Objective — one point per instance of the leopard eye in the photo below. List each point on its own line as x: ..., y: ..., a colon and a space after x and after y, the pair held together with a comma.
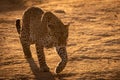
x: 50, y: 26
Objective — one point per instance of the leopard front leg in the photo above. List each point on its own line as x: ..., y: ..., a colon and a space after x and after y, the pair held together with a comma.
x: 41, y: 58
x: 63, y: 55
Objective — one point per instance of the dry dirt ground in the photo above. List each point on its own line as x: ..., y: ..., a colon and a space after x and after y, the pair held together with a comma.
x: 93, y: 44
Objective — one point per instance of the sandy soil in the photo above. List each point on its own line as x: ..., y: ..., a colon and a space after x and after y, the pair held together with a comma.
x: 93, y: 44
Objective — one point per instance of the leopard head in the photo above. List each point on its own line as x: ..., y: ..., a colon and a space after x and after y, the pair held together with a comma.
x: 59, y: 33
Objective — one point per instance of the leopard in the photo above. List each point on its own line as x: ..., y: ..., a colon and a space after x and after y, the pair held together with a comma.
x: 45, y: 30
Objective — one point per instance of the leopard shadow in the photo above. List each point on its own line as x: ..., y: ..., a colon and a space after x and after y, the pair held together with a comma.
x: 39, y: 75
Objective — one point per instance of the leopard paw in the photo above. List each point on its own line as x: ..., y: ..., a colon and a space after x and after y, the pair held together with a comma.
x: 44, y: 69
x: 60, y: 67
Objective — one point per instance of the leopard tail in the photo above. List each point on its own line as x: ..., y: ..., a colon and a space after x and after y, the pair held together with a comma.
x: 18, y: 26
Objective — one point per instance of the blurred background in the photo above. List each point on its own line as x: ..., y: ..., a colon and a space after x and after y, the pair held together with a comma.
x: 93, y: 43
x: 8, y: 5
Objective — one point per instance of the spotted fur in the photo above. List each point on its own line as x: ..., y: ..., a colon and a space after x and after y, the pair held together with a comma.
x: 45, y: 30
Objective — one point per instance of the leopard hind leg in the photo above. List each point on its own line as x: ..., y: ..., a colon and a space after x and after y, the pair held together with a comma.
x: 26, y: 49
x: 25, y: 41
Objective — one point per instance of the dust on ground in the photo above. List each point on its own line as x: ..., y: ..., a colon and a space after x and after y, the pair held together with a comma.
x: 93, y: 44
